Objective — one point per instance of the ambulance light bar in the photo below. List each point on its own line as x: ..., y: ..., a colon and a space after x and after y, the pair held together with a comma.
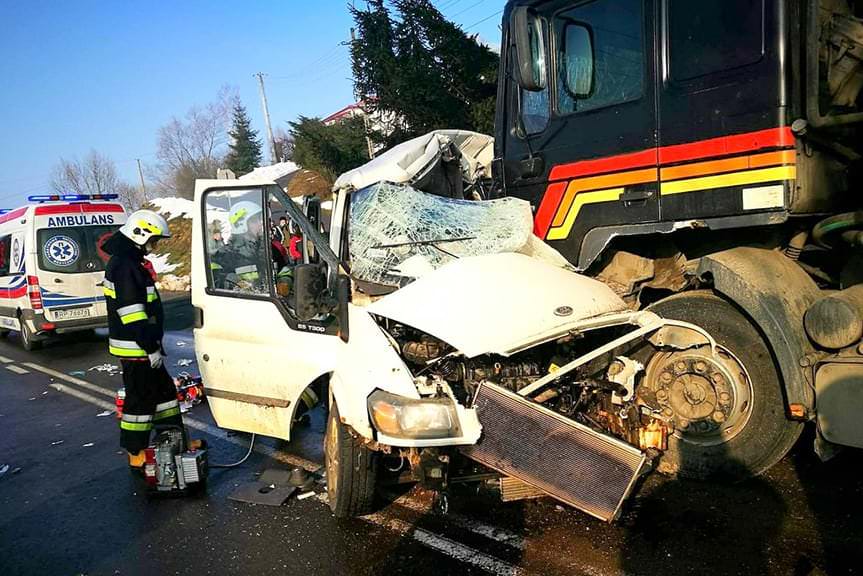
x: 70, y: 197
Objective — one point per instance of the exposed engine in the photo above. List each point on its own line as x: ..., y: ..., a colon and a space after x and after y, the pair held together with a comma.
x: 600, y: 395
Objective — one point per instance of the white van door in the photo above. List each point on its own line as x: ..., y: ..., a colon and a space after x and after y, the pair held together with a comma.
x: 256, y: 358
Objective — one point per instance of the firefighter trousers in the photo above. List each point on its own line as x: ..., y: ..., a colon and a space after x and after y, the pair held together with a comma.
x: 151, y: 400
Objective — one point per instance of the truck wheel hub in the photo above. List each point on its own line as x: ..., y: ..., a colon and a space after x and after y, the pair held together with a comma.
x: 707, y: 398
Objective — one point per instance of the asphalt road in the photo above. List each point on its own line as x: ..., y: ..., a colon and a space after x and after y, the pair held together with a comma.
x: 69, y: 506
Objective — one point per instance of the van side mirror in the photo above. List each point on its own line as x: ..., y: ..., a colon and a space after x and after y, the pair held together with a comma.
x: 312, y: 210
x: 310, y: 286
x: 577, y: 59
x: 530, y: 60
x: 343, y: 296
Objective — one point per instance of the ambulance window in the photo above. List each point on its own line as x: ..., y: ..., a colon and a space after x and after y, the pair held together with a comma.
x: 236, y: 235
x: 73, y: 249
x: 713, y: 35
x: 5, y: 254
x: 600, y: 45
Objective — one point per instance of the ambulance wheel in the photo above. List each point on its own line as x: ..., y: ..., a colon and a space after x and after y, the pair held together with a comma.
x: 351, y: 470
x: 27, y: 339
x: 729, y: 410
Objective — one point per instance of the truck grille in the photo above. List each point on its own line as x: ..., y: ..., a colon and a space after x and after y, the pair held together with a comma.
x: 568, y: 461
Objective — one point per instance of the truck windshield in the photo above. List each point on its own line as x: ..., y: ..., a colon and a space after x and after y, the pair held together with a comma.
x: 73, y: 250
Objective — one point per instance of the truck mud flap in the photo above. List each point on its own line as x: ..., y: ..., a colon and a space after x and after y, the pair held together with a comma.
x: 568, y: 461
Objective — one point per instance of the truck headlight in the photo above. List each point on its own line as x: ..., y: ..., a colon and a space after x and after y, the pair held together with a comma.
x: 402, y: 417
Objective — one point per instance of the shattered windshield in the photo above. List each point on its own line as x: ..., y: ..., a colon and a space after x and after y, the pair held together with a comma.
x: 398, y: 233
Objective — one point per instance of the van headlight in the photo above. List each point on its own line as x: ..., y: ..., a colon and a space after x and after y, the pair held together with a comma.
x: 402, y: 417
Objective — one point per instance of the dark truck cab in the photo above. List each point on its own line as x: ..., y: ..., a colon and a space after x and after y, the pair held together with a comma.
x: 702, y: 158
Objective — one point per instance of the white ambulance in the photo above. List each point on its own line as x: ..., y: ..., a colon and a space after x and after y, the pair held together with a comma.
x: 52, y: 264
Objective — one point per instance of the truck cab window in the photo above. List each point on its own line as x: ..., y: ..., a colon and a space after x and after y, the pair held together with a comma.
x: 236, y: 237
x: 600, y: 55
x: 713, y: 35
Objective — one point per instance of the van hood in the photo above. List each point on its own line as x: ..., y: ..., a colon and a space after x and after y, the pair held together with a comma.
x: 497, y: 303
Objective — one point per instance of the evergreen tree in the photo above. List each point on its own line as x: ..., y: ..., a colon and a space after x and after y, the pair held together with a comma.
x: 244, y: 153
x: 423, y: 68
x: 329, y: 150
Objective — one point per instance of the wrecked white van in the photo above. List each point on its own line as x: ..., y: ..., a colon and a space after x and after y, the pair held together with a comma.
x: 450, y: 340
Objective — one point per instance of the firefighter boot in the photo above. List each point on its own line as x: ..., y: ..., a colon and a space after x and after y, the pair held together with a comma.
x: 136, y: 460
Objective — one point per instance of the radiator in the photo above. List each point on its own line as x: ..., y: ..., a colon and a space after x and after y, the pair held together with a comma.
x: 568, y: 461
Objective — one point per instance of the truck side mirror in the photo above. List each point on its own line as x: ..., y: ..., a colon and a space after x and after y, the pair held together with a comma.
x: 310, y: 285
x: 530, y: 60
x: 576, y: 60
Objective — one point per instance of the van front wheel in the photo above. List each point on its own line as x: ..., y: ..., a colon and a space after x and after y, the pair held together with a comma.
x: 351, y: 470
x: 28, y: 341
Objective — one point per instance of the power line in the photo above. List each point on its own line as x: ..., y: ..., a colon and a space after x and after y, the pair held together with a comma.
x: 489, y: 17
x: 469, y: 8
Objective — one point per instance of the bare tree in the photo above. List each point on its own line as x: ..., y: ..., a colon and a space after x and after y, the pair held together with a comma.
x: 132, y: 197
x: 95, y: 174
x: 194, y: 146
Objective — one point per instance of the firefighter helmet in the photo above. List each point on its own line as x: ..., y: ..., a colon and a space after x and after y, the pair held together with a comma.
x: 240, y: 214
x: 143, y: 225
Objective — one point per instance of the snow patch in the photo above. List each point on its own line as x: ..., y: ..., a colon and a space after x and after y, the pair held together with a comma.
x: 174, y: 207
x: 161, y: 264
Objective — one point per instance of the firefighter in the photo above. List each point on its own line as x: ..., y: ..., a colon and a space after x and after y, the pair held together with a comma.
x: 135, y: 330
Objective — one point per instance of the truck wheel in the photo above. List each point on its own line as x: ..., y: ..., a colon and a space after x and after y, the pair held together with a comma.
x: 351, y: 470
x: 729, y: 412
x: 27, y: 338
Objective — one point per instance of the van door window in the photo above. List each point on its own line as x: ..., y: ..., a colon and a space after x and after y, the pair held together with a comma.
x: 600, y: 55
x: 73, y: 250
x: 710, y: 36
x: 296, y: 249
x: 5, y: 254
x: 236, y: 237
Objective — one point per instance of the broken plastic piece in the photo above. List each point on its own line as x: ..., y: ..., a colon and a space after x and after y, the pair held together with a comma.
x: 305, y: 495
x: 87, y: 445
x: 104, y: 413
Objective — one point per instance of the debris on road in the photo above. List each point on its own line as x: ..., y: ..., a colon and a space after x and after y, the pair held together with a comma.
x: 111, y: 369
x: 4, y: 469
x: 104, y: 413
x: 87, y: 445
x: 305, y: 495
x: 182, y: 362
x: 181, y: 344
x: 57, y: 443
x: 271, y: 489
x: 77, y: 373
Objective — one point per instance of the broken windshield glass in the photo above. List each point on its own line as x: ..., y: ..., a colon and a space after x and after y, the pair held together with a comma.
x: 398, y: 233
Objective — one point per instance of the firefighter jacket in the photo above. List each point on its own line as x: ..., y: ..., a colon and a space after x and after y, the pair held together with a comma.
x: 135, y: 316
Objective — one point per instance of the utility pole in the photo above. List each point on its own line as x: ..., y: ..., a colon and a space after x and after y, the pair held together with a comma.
x: 272, y: 141
x: 369, y: 148
x: 141, y: 176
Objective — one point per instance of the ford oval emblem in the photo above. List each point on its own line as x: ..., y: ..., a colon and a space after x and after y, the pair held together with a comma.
x: 563, y: 311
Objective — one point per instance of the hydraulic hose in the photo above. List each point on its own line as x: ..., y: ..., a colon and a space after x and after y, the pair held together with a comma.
x: 240, y: 461
x: 836, y: 224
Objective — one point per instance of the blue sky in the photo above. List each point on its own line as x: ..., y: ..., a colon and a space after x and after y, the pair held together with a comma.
x: 106, y: 74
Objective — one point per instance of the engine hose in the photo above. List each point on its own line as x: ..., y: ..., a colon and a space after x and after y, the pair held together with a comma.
x: 837, y: 223
x: 240, y: 461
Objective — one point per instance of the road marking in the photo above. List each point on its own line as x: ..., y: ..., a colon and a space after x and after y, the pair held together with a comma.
x: 16, y: 369
x: 187, y: 420
x: 5, y: 360
x: 445, y: 546
x: 491, y: 532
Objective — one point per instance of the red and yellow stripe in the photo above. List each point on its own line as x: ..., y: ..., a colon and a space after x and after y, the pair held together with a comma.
x: 678, y: 169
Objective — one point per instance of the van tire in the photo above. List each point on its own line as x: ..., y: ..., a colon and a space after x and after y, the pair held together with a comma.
x: 351, y: 470
x: 27, y: 339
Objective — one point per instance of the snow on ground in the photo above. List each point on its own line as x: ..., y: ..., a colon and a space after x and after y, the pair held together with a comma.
x: 174, y: 207
x: 161, y: 264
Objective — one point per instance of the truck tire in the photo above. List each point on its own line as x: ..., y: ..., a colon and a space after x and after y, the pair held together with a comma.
x: 761, y: 433
x: 351, y: 470
x: 27, y: 339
